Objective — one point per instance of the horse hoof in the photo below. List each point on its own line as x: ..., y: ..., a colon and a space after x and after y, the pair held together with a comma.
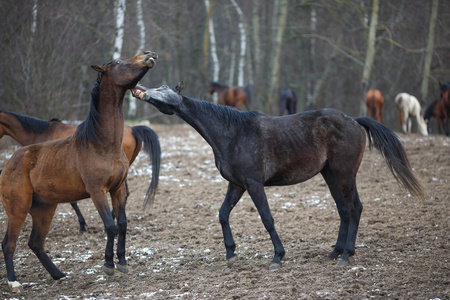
x: 123, y: 268
x: 107, y: 270
x: 231, y: 261
x: 343, y: 262
x: 15, y: 287
x: 274, y: 266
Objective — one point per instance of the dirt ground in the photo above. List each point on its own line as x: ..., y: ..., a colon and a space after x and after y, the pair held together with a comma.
x: 175, y: 249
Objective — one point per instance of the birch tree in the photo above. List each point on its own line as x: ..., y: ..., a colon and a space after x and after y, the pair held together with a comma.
x: 243, y: 44
x: 369, y: 55
x: 27, y: 64
x: 210, y: 38
x: 430, y: 49
x: 132, y: 107
x: 120, y: 21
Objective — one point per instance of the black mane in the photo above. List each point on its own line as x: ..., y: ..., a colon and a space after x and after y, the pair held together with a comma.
x: 87, y: 131
x: 29, y: 124
x: 227, y: 115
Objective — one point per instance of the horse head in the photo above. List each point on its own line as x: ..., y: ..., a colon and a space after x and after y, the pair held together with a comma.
x: 164, y: 98
x: 126, y: 72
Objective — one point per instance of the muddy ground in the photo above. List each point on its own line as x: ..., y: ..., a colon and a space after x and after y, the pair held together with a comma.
x: 175, y: 249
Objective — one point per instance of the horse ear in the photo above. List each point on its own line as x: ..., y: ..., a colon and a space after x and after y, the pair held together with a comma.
x: 98, y: 68
x: 180, y: 86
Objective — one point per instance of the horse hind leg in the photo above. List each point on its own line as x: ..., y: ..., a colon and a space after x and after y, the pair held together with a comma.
x: 42, y: 218
x: 15, y: 223
x: 349, y: 208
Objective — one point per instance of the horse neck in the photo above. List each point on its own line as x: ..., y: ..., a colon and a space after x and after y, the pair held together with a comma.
x: 110, y: 108
x: 9, y: 125
x: 206, y: 123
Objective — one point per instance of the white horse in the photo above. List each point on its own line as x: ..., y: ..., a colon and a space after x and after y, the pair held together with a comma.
x: 409, y: 107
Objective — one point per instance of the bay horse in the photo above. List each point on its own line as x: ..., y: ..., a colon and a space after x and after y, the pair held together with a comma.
x: 235, y: 96
x: 435, y: 109
x: 408, y: 107
x: 27, y: 130
x: 374, y: 103
x: 88, y: 164
x: 287, y: 100
x: 250, y: 151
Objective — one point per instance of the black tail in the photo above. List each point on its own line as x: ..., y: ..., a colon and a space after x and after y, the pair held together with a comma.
x: 152, y: 147
x: 393, y: 153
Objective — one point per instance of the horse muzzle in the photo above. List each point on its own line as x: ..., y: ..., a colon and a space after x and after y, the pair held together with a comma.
x: 150, y: 58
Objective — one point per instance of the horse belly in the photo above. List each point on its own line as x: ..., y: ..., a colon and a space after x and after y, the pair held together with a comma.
x: 293, y: 172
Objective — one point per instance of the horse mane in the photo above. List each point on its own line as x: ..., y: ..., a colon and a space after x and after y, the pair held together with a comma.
x: 30, y: 124
x: 429, y: 111
x: 445, y: 86
x: 87, y: 131
x: 227, y: 115
x: 219, y: 85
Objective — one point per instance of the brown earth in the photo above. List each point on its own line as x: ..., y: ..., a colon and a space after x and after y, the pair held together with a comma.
x: 175, y: 249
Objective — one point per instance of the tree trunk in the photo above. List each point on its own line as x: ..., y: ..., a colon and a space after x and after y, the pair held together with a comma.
x: 369, y: 55
x: 243, y: 44
x: 132, y: 106
x: 430, y: 50
x: 120, y: 20
x: 277, y: 42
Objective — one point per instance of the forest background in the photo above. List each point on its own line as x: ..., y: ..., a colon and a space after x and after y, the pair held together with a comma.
x: 324, y: 50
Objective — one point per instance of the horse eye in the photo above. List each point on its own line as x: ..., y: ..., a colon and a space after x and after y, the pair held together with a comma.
x: 118, y: 61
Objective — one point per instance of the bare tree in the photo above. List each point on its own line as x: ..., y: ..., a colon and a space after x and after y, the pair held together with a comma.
x: 370, y: 53
x: 430, y: 49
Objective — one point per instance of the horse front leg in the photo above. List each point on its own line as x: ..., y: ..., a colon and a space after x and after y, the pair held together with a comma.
x: 256, y: 192
x: 118, y: 199
x: 81, y: 219
x: 101, y: 203
x: 233, y: 195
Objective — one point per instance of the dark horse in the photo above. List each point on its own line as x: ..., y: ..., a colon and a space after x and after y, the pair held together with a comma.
x: 435, y: 109
x: 235, y: 96
x: 374, y: 103
x: 89, y: 163
x: 27, y: 130
x: 445, y: 103
x: 287, y: 101
x: 253, y: 150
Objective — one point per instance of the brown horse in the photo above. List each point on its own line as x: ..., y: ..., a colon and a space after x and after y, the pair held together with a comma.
x: 88, y: 164
x: 253, y: 150
x: 374, y: 103
x: 435, y: 109
x: 235, y: 96
x: 28, y: 130
x: 445, y: 103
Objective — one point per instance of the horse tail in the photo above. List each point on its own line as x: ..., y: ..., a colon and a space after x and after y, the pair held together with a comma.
x: 248, y: 90
x: 392, y: 151
x: 152, y: 147
x: 374, y: 108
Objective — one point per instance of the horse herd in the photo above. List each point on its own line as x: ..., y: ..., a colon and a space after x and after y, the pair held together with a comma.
x: 64, y: 164
x: 409, y: 108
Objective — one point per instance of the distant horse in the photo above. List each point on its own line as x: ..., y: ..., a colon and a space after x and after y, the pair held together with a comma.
x: 408, y: 107
x: 88, y: 164
x: 287, y: 101
x: 374, y: 103
x: 435, y: 109
x: 445, y: 103
x: 232, y: 96
x: 28, y: 130
x: 251, y: 151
